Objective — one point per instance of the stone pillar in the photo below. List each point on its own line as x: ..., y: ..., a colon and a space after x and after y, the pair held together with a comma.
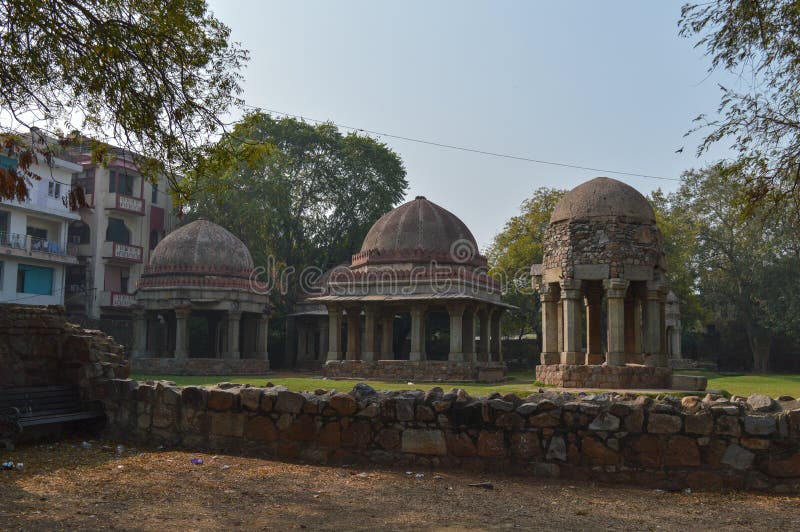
x: 234, y: 319
x: 662, y: 314
x: 485, y: 336
x: 548, y: 295
x: 417, y: 333
x: 615, y: 295
x: 571, y: 305
x: 370, y: 351
x: 497, y: 340
x: 630, y: 329
x: 456, y: 312
x: 468, y: 334
x: 353, y: 333
x: 302, y: 342
x: 334, y: 333
x: 593, y: 301
x: 322, y: 325
x: 139, y: 333
x: 262, y: 337
x: 653, y: 330
x: 560, y: 329
x: 182, y: 332
x: 387, y: 336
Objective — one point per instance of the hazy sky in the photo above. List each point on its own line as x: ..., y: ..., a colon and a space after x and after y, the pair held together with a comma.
x: 601, y: 84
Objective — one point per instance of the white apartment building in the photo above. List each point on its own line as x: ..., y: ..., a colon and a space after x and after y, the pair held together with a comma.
x: 125, y: 217
x: 34, y: 251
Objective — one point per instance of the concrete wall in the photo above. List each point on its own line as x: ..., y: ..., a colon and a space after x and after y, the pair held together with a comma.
x: 670, y: 444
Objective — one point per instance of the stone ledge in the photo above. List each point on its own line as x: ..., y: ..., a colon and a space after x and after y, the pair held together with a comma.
x: 200, y: 366
x: 607, y: 377
x: 416, y: 371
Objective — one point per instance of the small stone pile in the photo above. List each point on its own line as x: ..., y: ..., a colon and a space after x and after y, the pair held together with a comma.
x: 670, y: 443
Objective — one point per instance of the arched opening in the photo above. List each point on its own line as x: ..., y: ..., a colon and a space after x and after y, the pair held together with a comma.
x: 78, y: 233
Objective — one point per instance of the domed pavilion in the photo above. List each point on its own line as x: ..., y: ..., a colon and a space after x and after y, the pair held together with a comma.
x: 602, y: 245
x: 418, y: 282
x: 197, y: 311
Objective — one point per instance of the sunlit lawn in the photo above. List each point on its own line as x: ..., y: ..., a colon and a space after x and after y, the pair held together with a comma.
x: 521, y: 383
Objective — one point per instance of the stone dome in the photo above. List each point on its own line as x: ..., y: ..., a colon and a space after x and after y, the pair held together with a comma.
x: 199, y: 253
x: 603, y: 197
x: 202, y: 244
x: 419, y: 231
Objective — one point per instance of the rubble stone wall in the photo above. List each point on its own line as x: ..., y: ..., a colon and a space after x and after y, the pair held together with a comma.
x: 415, y: 371
x: 604, y: 377
x: 200, y: 366
x: 39, y: 347
x: 670, y: 444
x: 616, y: 241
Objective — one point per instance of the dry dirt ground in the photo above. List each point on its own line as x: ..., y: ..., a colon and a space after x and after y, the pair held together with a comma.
x: 65, y: 486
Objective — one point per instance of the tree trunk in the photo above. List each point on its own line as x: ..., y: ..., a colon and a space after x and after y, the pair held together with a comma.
x: 760, y: 347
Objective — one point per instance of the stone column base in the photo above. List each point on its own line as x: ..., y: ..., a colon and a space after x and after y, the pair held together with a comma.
x: 573, y: 357
x: 616, y: 359
x: 595, y: 359
x: 369, y: 356
x: 456, y: 357
x: 547, y: 359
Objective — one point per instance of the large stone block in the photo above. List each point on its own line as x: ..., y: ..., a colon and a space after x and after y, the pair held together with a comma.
x: 701, y: 423
x: 491, y: 444
x: 222, y: 400
x: 681, y: 451
x: 227, y: 424
x: 260, y: 428
x: 737, y: 457
x: 424, y: 441
x: 663, y: 424
x: 344, y: 404
x: 759, y: 425
x: 289, y: 402
x: 251, y: 398
x: 598, y: 453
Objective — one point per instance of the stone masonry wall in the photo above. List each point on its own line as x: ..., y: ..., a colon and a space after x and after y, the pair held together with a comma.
x: 604, y: 377
x: 670, y: 443
x: 617, y: 241
x: 200, y: 366
x: 39, y: 347
x: 415, y: 371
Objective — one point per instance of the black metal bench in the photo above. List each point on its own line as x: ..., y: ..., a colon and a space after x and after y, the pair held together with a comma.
x: 39, y: 406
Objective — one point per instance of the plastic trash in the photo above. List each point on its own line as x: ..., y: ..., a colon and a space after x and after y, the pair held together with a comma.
x: 225, y: 466
x: 197, y: 461
x: 20, y: 465
x: 420, y: 475
x: 362, y: 475
x: 86, y: 445
x: 7, y: 465
x: 120, y: 449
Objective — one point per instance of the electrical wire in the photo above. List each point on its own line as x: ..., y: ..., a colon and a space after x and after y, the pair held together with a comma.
x: 462, y: 148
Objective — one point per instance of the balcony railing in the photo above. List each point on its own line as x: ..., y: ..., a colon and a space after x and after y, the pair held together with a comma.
x: 126, y: 252
x: 116, y: 299
x: 119, y: 299
x: 121, y: 202
x: 31, y: 243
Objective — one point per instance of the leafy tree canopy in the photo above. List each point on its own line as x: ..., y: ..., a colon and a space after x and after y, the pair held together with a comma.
x: 514, y: 250
x: 759, y: 41
x: 149, y: 76
x: 746, y: 269
x: 301, y: 194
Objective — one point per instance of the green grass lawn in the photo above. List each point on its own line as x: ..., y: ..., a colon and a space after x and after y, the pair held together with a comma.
x: 744, y: 384
x: 521, y: 383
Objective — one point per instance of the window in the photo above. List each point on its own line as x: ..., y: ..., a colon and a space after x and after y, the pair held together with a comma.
x: 154, y: 194
x: 117, y: 232
x: 54, y: 189
x: 34, y: 280
x: 78, y: 233
x: 153, y: 238
x: 120, y: 182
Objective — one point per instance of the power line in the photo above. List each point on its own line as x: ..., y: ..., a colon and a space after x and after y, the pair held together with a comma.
x: 463, y: 148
